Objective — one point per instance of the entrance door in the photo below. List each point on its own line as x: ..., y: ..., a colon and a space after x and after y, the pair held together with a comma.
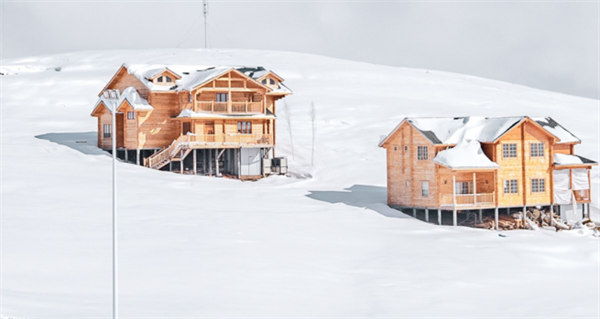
x: 120, y: 130
x: 185, y: 128
x: 250, y: 161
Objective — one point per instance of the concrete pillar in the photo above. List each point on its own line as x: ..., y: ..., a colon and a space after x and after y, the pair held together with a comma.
x: 414, y: 212
x: 454, y: 218
x: 195, y: 163
x: 551, y: 215
x: 439, y: 216
x: 126, y: 155
x: 481, y: 215
x: 524, y: 213
x: 137, y: 156
x: 496, y: 217
x: 426, y: 215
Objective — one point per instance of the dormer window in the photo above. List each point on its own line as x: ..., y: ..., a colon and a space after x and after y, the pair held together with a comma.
x: 271, y: 81
x: 164, y: 79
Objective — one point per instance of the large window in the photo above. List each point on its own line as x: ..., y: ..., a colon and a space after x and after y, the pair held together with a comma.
x: 422, y: 153
x: 130, y: 115
x: 424, y: 189
x: 222, y: 97
x: 463, y: 188
x: 537, y: 149
x: 245, y: 127
x: 538, y: 185
x: 509, y: 150
x: 511, y: 186
x: 106, y: 130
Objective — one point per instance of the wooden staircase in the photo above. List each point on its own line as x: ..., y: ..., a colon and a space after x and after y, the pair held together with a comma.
x: 177, y: 151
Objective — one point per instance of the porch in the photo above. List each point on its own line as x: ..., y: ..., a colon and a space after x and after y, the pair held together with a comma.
x: 467, y: 190
x: 228, y: 107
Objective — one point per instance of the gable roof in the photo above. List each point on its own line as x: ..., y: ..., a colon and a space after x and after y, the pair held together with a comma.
x: 550, y: 125
x: 452, y: 130
x: 129, y: 95
x: 153, y: 73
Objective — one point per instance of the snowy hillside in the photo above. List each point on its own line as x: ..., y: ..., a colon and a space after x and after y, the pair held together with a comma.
x: 321, y: 243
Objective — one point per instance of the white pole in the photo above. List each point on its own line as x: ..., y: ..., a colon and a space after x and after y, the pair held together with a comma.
x: 114, y: 213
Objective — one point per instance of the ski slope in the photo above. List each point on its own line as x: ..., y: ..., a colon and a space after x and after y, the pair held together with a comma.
x: 321, y: 243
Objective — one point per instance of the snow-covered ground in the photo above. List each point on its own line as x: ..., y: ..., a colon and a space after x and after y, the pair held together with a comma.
x: 320, y: 244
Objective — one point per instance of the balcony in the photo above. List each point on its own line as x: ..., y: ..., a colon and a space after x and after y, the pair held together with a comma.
x: 468, y: 200
x: 228, y: 140
x: 229, y: 107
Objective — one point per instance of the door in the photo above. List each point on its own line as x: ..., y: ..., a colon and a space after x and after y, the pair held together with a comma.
x: 120, y: 130
x: 185, y: 128
x: 251, y: 163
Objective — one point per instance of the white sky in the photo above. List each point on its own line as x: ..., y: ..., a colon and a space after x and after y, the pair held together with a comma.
x: 552, y: 45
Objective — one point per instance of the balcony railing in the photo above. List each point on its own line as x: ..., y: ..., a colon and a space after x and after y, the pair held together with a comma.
x: 467, y: 199
x: 230, y: 107
x: 241, y: 139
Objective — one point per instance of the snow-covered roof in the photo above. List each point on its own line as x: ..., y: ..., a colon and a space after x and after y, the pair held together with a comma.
x: 566, y: 159
x: 112, y: 100
x: 191, y: 76
x: 467, y: 154
x: 557, y: 130
x: 188, y: 113
x: 453, y: 130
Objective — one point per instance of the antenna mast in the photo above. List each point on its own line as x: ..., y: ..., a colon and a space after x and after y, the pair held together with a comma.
x: 205, y: 10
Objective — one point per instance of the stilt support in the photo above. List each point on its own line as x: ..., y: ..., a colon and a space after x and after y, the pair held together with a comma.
x: 439, y: 216
x: 481, y: 215
x: 137, y: 156
x: 496, y: 218
x: 454, y: 218
x: 426, y: 215
x: 414, y: 212
x: 195, y: 162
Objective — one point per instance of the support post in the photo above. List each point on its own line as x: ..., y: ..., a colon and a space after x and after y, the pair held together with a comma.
x: 524, y: 213
x: 474, y: 189
x: 439, y: 216
x: 551, y: 215
x: 170, y: 166
x: 481, y: 215
x: 195, y: 163
x: 426, y: 214
x: 414, y: 212
x: 137, y: 156
x: 126, y: 155
x: 181, y: 162
x: 216, y: 157
x: 496, y: 217
x: 454, y: 218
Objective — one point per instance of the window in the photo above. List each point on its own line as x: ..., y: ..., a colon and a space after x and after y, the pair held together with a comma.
x: 538, y: 185
x: 271, y: 81
x: 424, y: 189
x: 245, y: 127
x: 537, y: 149
x: 264, y: 81
x: 106, y: 130
x: 131, y: 115
x: 463, y: 187
x: 405, y: 148
x: 160, y: 79
x: 395, y: 148
x: 509, y: 150
x: 221, y: 97
x: 510, y: 186
x: 168, y: 78
x: 422, y: 153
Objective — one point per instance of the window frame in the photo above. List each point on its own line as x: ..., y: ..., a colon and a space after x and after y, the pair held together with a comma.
x: 511, y: 186
x: 536, y: 149
x: 244, y: 127
x: 424, y: 188
x: 422, y: 152
x: 107, y: 130
x: 130, y: 115
x: 222, y: 97
x: 509, y: 150
x: 538, y: 185
x: 459, y: 188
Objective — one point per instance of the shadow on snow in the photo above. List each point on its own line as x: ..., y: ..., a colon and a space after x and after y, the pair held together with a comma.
x: 84, y: 142
x: 363, y: 196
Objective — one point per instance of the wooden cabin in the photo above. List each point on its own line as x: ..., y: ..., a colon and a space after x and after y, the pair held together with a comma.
x: 471, y: 163
x: 192, y: 119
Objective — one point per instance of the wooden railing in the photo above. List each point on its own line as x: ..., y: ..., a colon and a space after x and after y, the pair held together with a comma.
x: 467, y: 199
x: 258, y: 139
x: 165, y: 154
x: 236, y: 107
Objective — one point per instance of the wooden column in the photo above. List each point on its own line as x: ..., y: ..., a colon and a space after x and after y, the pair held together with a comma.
x: 474, y: 189
x: 426, y: 215
x: 454, y: 217
x: 496, y: 216
x: 454, y: 190
x: 439, y: 216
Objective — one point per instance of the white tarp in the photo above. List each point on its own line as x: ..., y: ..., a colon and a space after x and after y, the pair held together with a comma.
x: 580, y: 179
x: 570, y: 213
x: 562, y: 192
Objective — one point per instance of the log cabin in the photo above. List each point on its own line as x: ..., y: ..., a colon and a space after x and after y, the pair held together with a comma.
x: 192, y: 119
x: 465, y: 164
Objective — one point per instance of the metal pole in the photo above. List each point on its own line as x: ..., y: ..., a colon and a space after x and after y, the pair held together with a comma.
x: 114, y: 214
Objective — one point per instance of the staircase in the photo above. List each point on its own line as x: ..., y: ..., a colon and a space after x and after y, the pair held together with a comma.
x: 177, y: 151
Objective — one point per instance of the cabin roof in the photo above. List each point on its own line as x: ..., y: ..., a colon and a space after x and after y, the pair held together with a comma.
x: 192, y: 76
x: 467, y: 154
x: 566, y: 159
x: 452, y: 130
x: 112, y: 102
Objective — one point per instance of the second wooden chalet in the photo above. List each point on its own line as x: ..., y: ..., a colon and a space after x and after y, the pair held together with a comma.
x: 473, y: 163
x: 195, y: 119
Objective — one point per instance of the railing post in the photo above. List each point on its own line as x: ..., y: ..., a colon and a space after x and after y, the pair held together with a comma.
x: 212, y: 106
x: 474, y: 189
x: 454, y: 190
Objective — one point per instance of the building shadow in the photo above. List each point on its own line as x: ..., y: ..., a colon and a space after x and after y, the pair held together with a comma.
x: 363, y: 196
x: 84, y: 142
